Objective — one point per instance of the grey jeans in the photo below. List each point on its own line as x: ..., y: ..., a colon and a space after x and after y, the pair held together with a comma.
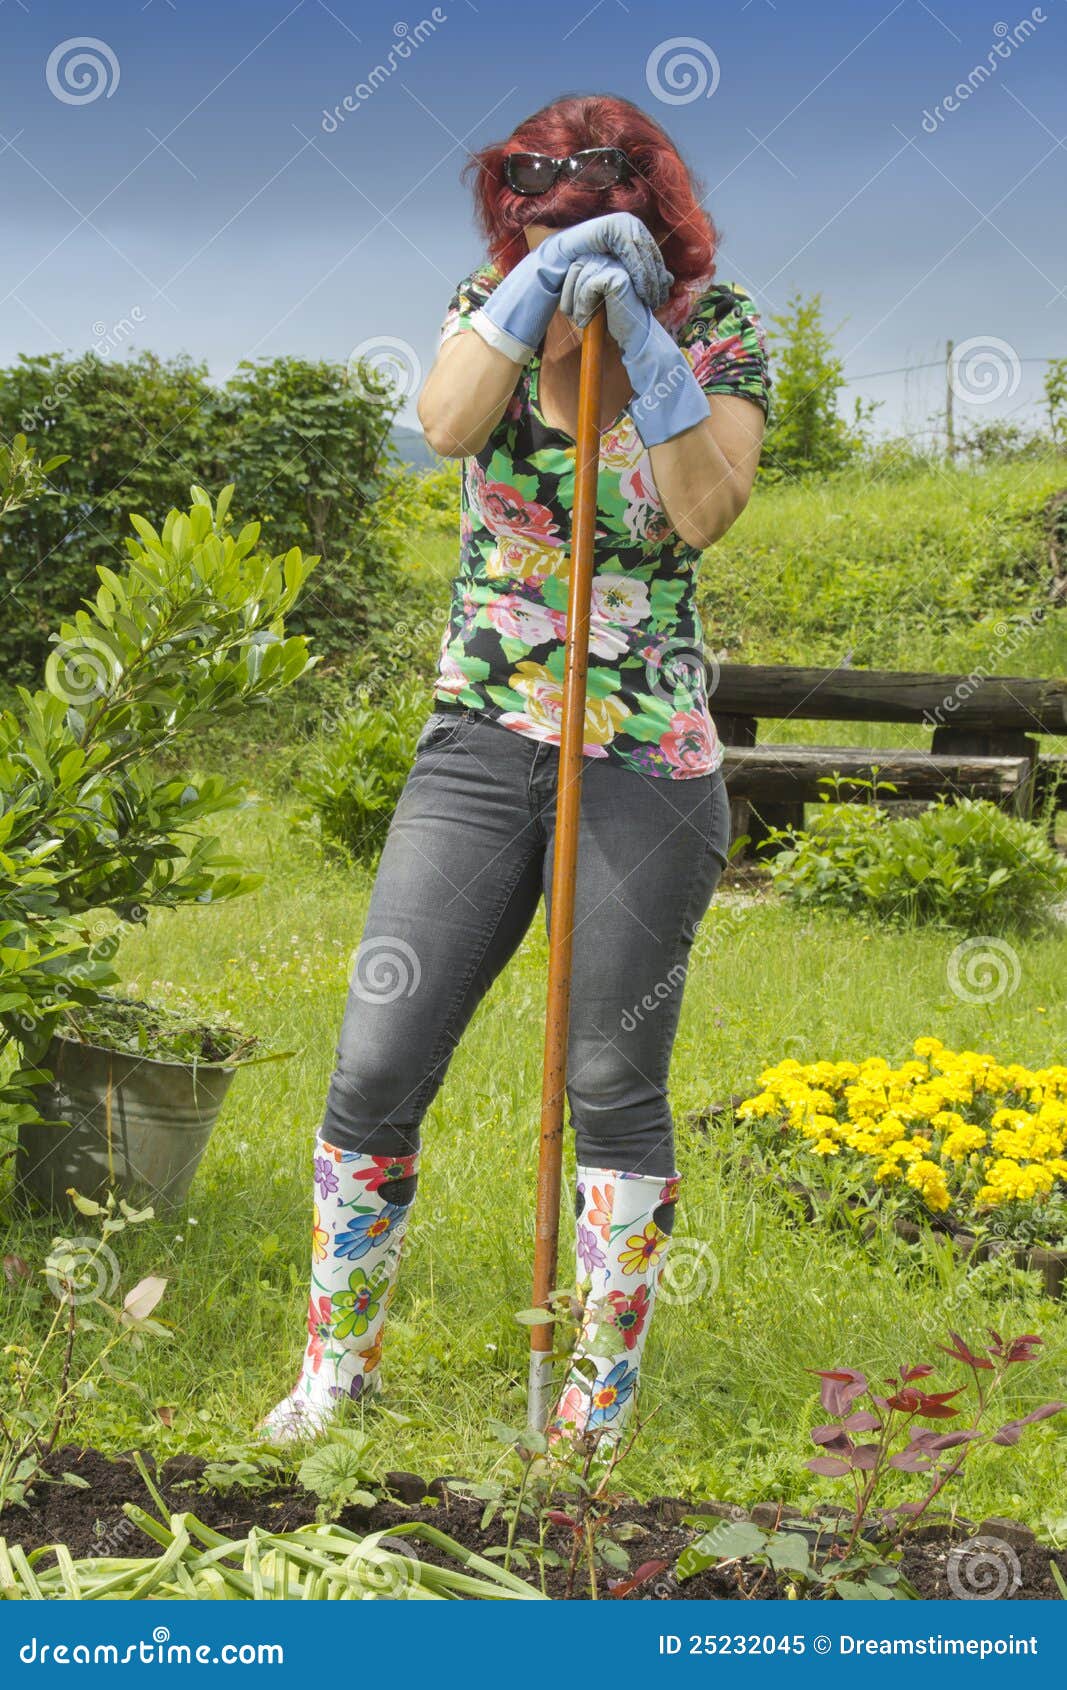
x: 466, y: 861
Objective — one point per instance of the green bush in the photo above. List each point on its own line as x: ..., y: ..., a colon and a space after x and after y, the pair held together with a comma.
x: 193, y: 629
x: 358, y: 767
x: 309, y: 447
x: 964, y: 864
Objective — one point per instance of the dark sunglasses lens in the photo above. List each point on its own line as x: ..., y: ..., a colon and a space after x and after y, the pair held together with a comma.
x: 598, y: 170
x: 530, y: 173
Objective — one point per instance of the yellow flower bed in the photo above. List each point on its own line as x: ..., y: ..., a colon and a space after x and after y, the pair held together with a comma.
x: 955, y: 1128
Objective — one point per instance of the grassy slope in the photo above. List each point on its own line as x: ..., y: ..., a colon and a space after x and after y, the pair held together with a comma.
x: 942, y: 570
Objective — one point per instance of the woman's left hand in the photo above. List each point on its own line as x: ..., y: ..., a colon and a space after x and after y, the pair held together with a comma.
x: 703, y: 463
x: 667, y: 396
x: 595, y: 281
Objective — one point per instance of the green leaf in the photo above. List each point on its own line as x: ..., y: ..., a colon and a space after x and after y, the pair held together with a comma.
x: 729, y: 1540
x: 789, y: 1552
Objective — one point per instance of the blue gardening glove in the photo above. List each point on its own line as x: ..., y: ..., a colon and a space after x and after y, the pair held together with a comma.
x: 667, y: 396
x: 517, y: 313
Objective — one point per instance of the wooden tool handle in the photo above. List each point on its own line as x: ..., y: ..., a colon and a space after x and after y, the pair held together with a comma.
x: 565, y: 858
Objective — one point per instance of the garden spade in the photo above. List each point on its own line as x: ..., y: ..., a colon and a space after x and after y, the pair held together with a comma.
x: 564, y: 865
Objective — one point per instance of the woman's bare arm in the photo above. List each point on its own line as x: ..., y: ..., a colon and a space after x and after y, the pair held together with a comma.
x: 464, y: 395
x: 704, y: 475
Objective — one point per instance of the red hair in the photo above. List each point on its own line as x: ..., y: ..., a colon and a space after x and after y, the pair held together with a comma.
x: 661, y: 192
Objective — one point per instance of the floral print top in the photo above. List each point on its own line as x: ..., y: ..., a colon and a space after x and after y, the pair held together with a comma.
x: 503, y: 650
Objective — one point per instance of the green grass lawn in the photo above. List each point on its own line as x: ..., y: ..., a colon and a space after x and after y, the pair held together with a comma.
x: 728, y: 1369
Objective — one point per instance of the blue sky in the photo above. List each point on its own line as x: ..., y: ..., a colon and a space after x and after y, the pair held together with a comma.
x: 203, y: 201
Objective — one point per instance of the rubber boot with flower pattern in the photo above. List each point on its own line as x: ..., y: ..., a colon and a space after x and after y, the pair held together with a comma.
x: 624, y: 1223
x: 362, y: 1205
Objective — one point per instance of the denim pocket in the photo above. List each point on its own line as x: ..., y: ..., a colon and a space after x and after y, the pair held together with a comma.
x: 719, y: 828
x: 440, y: 727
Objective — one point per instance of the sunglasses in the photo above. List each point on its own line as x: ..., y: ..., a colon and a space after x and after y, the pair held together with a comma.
x: 593, y: 168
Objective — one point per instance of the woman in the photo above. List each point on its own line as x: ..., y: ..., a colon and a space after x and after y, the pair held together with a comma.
x: 586, y: 203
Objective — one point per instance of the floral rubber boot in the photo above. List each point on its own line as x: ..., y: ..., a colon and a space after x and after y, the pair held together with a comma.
x: 624, y: 1223
x: 360, y: 1218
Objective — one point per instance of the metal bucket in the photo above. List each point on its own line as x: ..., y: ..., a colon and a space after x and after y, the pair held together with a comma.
x: 113, y: 1121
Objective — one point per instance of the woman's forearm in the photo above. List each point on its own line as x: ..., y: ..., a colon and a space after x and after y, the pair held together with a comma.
x: 464, y: 395
x: 704, y: 475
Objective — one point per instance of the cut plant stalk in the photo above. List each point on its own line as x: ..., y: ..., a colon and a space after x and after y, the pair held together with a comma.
x: 564, y: 866
x: 314, y: 1563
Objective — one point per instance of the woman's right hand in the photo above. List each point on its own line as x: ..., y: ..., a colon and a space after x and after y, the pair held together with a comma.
x: 517, y: 313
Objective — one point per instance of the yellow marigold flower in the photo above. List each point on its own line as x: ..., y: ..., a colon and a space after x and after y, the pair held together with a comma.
x: 948, y: 1121
x: 822, y: 1099
x: 927, y: 1046
x: 764, y: 1104
x: 867, y: 1144
x: 906, y: 1150
x: 959, y: 1144
x: 826, y: 1147
x: 929, y: 1180
x: 1014, y: 1183
x: 846, y: 1070
x: 1011, y: 1118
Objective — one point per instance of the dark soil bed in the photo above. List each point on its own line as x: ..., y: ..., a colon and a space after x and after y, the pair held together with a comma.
x: 92, y: 1522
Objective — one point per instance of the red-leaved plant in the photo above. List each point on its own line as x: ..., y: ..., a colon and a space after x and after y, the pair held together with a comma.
x: 897, y: 1439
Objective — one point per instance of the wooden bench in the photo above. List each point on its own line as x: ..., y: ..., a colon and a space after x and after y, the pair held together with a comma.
x: 982, y: 743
